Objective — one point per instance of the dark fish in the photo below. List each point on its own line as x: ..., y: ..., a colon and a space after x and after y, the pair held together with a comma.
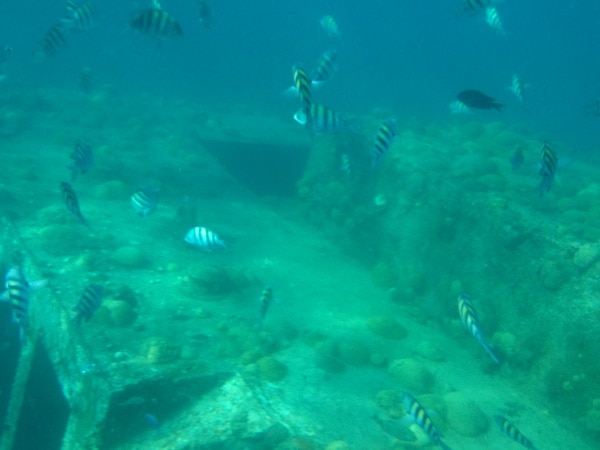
x: 70, y: 199
x: 471, y: 6
x: 156, y: 23
x: 468, y: 316
x: 83, y: 159
x: 90, y: 301
x: 302, y: 85
x: 325, y: 68
x: 322, y: 119
x: 512, y: 432
x: 476, y: 99
x: 80, y: 17
x: 517, y: 159
x: 547, y: 171
x: 419, y: 416
x: 205, y: 15
x: 54, y: 39
x: 383, y: 140
x: 265, y: 302
x: 18, y: 292
x: 86, y: 79
x: 145, y: 200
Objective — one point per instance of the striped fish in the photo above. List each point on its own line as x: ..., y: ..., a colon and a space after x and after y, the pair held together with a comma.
x: 266, y: 298
x: 85, y: 78
x: 492, y: 18
x: 513, y: 433
x: 80, y: 17
x: 517, y: 87
x: 421, y: 418
x: 204, y: 238
x: 383, y: 140
x: 156, y: 23
x: 145, y: 200
x: 468, y: 316
x: 82, y: 157
x: 324, y: 69
x: 54, y: 39
x: 329, y: 24
x: 88, y: 303
x: 548, y: 165
x: 322, y: 119
x: 302, y: 85
x: 18, y: 292
x: 476, y: 5
x: 458, y: 107
x: 70, y: 199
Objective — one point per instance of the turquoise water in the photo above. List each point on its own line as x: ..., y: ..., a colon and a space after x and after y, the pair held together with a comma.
x: 366, y: 264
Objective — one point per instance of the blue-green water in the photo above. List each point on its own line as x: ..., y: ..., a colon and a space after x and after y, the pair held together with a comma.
x: 366, y: 264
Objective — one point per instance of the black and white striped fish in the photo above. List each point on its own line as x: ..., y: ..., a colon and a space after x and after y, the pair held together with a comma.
x: 89, y: 302
x: 18, y: 293
x: 548, y: 165
x: 473, y: 6
x: 302, y: 84
x: 82, y: 157
x: 80, y: 17
x: 329, y: 24
x: 421, y: 418
x: 513, y: 433
x: 468, y: 316
x: 324, y: 69
x: 156, y: 23
x: 145, y: 200
x: 54, y: 39
x: 70, y: 199
x: 322, y: 119
x: 383, y: 140
x: 204, y: 238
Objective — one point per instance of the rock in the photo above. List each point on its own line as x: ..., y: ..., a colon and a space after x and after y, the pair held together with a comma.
x: 121, y: 314
x: 430, y: 350
x: 505, y: 343
x: 413, y: 375
x: 130, y: 257
x: 354, y: 353
x: 270, y: 369
x: 464, y: 416
x: 585, y: 256
x: 386, y: 327
x: 553, y: 275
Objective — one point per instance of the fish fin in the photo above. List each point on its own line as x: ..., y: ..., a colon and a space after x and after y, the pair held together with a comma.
x: 290, y: 92
x: 4, y: 297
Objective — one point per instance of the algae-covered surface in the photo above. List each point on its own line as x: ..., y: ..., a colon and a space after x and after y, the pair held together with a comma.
x: 365, y: 266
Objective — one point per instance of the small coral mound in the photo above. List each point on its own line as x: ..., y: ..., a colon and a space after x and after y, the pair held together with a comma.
x: 411, y: 374
x: 386, y: 327
x: 464, y: 416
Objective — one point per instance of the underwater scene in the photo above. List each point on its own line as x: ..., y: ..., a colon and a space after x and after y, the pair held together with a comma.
x: 316, y: 225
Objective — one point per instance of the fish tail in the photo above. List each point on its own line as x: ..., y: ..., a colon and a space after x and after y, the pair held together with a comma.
x: 443, y: 445
x: 488, y: 349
